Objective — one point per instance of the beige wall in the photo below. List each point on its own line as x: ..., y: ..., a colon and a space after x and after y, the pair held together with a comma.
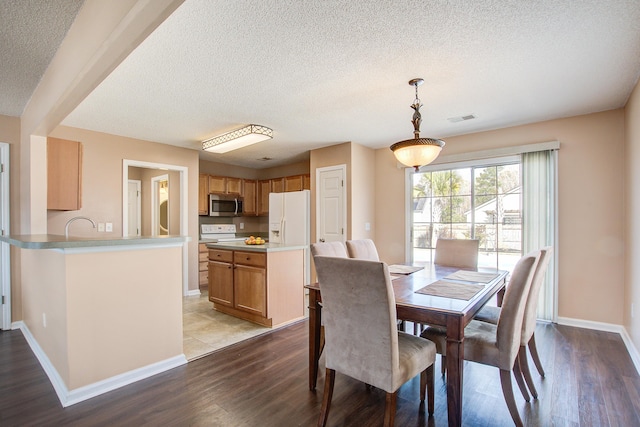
x: 591, y: 184
x: 102, y: 184
x: 632, y: 212
x: 363, y: 192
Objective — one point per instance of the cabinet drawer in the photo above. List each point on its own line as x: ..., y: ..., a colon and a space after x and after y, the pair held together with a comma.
x: 203, y: 256
x: 203, y: 266
x: 256, y: 259
x: 202, y: 247
x: 220, y: 255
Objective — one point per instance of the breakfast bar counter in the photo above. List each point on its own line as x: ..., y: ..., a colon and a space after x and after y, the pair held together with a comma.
x: 101, y: 313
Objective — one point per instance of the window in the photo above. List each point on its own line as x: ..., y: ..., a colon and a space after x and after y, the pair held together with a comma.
x: 480, y: 201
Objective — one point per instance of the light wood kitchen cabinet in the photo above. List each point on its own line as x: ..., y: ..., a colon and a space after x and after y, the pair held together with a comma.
x: 264, y: 188
x: 203, y: 194
x: 64, y: 174
x: 306, y: 182
x: 264, y: 288
x: 221, y: 277
x: 293, y: 183
x: 250, y: 192
x: 203, y: 265
x: 277, y: 185
x: 217, y: 184
x: 234, y: 186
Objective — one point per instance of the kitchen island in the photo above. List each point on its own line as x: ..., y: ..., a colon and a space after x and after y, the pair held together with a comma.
x: 101, y: 313
x: 260, y: 283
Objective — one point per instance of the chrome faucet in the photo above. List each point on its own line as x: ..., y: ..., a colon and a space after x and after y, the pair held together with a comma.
x: 66, y: 227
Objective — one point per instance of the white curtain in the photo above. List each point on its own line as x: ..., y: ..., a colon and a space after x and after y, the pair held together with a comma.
x: 539, y: 202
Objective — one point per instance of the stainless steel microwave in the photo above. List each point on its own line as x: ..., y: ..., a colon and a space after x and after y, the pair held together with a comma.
x: 221, y: 205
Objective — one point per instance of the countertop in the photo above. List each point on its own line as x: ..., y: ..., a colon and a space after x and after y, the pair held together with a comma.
x: 267, y: 247
x: 55, y: 241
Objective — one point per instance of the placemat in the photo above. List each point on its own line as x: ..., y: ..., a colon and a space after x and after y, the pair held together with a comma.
x: 472, y: 276
x: 445, y: 289
x: 403, y: 269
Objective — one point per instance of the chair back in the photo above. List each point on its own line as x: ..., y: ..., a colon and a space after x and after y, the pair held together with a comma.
x: 531, y: 306
x: 461, y: 253
x: 334, y: 249
x: 362, y: 249
x: 361, y: 336
x: 509, y: 328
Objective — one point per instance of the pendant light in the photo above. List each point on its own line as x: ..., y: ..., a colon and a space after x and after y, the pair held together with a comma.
x: 418, y: 151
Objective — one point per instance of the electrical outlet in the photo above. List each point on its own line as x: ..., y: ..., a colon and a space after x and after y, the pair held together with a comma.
x: 242, y: 226
x: 109, y: 227
x: 44, y: 319
x: 367, y: 226
x: 101, y: 227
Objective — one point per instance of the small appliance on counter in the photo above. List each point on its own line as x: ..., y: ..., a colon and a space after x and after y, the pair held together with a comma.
x: 219, y: 233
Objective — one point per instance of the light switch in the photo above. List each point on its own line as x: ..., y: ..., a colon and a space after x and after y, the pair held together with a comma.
x: 367, y: 226
x: 109, y: 227
x: 101, y: 227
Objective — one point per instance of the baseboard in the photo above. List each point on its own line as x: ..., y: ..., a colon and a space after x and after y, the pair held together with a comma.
x: 193, y: 293
x: 606, y: 327
x: 71, y: 397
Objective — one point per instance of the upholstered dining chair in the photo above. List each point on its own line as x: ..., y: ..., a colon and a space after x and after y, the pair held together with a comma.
x: 491, y: 314
x: 362, y: 338
x: 461, y: 253
x: 498, y: 345
x: 333, y: 249
x: 362, y: 249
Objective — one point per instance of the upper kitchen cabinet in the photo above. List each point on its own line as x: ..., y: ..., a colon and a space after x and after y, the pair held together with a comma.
x: 225, y: 185
x: 297, y: 183
x: 250, y: 197
x: 264, y: 188
x: 203, y: 194
x: 64, y: 174
x: 277, y: 185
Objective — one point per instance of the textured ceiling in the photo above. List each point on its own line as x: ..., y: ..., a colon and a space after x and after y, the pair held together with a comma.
x: 325, y: 72
x: 30, y: 33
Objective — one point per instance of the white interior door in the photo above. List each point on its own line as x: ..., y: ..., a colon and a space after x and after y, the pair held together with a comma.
x: 331, y: 207
x: 134, y: 208
x: 5, y: 276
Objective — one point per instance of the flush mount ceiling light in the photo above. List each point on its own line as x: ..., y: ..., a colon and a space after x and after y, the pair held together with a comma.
x: 418, y: 151
x: 238, y: 138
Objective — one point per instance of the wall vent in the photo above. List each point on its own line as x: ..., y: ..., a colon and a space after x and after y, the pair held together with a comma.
x: 461, y: 118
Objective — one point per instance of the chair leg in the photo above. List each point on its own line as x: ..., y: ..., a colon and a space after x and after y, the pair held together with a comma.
x: 329, y: 380
x: 507, y: 390
x: 517, y: 372
x: 443, y: 364
x: 524, y: 367
x: 534, y: 355
x: 390, y: 409
x: 430, y: 378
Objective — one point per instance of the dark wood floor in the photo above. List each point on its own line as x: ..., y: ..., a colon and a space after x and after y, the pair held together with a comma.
x: 590, y: 381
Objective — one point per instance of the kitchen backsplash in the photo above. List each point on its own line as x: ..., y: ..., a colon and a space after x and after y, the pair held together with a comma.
x: 257, y: 225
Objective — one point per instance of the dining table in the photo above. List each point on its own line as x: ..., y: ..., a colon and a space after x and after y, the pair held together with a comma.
x: 415, y: 302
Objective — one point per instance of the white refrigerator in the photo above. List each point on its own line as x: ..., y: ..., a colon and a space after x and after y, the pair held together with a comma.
x: 290, y: 222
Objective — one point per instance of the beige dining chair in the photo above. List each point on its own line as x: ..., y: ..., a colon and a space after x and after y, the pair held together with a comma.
x: 460, y: 253
x: 334, y: 249
x: 362, y: 338
x: 491, y: 314
x: 362, y: 249
x: 498, y: 345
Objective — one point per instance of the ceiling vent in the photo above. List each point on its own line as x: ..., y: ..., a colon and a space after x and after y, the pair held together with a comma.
x: 461, y: 118
x: 265, y: 159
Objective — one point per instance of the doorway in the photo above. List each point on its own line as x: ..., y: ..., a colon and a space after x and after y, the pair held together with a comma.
x: 5, y: 260
x: 160, y: 205
x: 134, y: 204
x: 331, y: 206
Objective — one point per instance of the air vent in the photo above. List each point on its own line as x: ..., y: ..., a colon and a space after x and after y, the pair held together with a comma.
x: 461, y: 118
x: 265, y: 159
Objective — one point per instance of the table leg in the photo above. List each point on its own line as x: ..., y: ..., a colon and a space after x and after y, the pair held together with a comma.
x: 315, y: 316
x: 455, y: 360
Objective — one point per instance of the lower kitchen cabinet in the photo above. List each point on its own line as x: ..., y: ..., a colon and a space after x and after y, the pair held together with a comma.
x: 264, y: 288
x: 203, y: 265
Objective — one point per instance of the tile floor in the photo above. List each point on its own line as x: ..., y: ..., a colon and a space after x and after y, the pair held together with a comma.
x: 206, y: 330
